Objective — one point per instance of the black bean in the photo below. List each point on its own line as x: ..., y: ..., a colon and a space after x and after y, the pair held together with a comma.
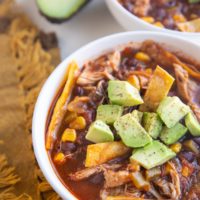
x: 197, y: 140
x: 188, y: 156
x: 68, y: 147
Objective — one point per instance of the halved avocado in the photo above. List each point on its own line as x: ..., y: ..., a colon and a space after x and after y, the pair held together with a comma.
x: 60, y: 10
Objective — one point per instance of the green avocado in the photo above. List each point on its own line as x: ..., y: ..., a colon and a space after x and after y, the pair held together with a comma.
x: 60, y: 9
x: 123, y: 93
x: 171, y: 110
x: 99, y: 132
x: 137, y: 115
x: 152, y: 155
x: 172, y: 135
x: 192, y: 124
x: 152, y: 124
x: 131, y: 132
x: 109, y: 113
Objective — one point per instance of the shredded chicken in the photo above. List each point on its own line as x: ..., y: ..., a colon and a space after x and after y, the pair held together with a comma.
x: 182, y: 79
x: 175, y: 179
x: 100, y: 69
x: 141, y: 7
x: 129, y: 190
x: 155, y: 193
x: 187, y: 89
x: 114, y: 60
x: 78, y: 104
x: 125, y: 190
x: 99, y: 95
x: 196, y: 110
x: 171, y: 189
x: 88, y: 172
x: 114, y: 179
x: 166, y: 188
x: 105, y: 192
x: 85, y: 173
x: 157, y: 53
x: 194, y: 192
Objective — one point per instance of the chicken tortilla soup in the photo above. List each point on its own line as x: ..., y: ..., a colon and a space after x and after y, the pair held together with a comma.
x: 180, y: 15
x: 125, y: 126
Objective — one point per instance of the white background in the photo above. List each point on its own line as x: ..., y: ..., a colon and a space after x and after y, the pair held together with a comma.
x: 92, y: 22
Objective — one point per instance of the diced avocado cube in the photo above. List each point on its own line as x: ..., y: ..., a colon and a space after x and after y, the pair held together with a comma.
x: 192, y: 124
x: 109, y: 113
x: 171, y: 110
x: 137, y: 115
x: 152, y: 124
x: 152, y: 155
x: 123, y: 93
x: 172, y: 135
x: 131, y: 132
x: 99, y: 132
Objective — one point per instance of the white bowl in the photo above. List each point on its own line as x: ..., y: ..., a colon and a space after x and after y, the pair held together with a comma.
x: 132, y: 23
x: 52, y: 85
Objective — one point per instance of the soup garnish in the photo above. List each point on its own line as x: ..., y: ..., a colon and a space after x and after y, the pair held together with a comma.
x: 180, y: 15
x: 126, y: 126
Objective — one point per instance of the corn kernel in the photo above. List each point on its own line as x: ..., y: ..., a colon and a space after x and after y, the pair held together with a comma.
x: 149, y: 71
x: 70, y: 116
x: 134, y: 81
x: 69, y: 135
x: 159, y: 24
x: 78, y: 124
x: 142, y: 57
x: 59, y: 157
x: 176, y: 147
x: 179, y: 18
x: 185, y: 171
x: 148, y: 19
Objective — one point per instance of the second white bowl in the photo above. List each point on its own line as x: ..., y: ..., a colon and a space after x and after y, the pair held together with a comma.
x: 132, y: 23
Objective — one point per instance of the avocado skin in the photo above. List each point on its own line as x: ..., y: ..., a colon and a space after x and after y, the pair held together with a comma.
x: 62, y: 20
x: 152, y: 155
x: 172, y: 135
x: 192, y: 124
x: 152, y: 124
x: 131, y: 131
x: 109, y: 113
x: 171, y: 110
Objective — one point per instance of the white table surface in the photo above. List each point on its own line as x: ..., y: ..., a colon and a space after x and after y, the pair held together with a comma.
x: 92, y: 22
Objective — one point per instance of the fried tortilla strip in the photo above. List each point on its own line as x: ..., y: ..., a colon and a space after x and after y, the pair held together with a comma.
x: 190, y: 26
x: 17, y: 145
x: 158, y: 88
x: 61, y: 105
x: 103, y: 152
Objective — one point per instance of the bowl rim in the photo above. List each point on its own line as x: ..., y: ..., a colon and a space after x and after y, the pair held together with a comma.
x: 40, y: 121
x: 148, y: 25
